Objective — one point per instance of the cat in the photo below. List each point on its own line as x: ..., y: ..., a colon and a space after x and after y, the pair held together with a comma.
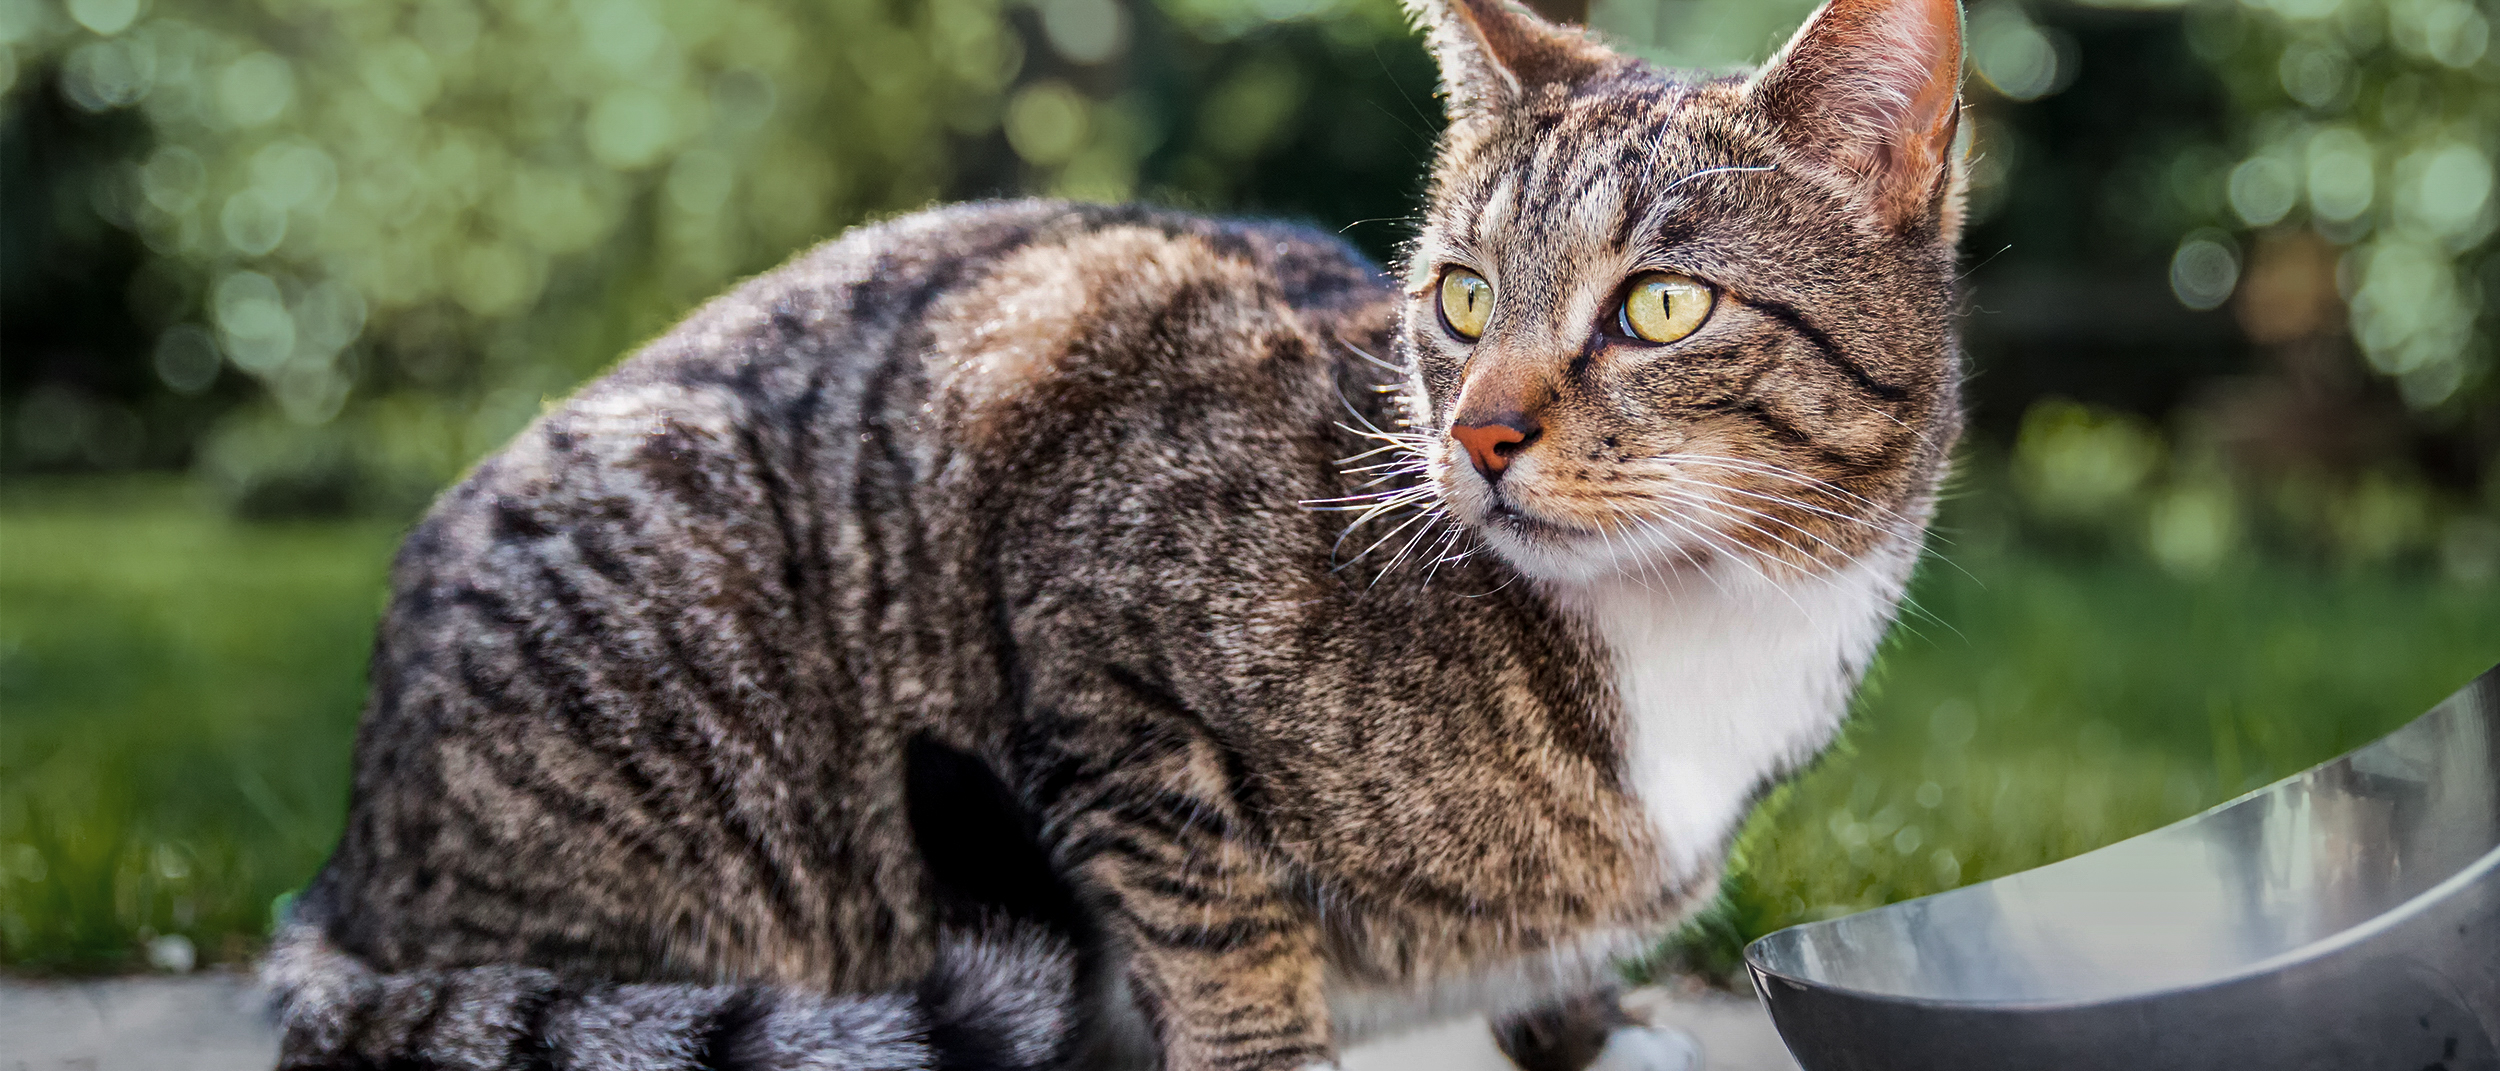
x: 1030, y: 634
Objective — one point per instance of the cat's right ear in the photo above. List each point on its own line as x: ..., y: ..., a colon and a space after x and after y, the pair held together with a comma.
x: 1493, y: 54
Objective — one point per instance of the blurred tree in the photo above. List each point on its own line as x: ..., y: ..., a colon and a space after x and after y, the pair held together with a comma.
x: 442, y: 212
x: 2356, y: 210
x: 324, y: 252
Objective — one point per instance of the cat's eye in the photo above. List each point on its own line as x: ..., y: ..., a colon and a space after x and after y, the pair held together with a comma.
x: 1466, y: 302
x: 1663, y: 307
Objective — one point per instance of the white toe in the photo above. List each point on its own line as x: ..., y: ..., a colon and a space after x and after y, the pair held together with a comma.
x: 1648, y: 1048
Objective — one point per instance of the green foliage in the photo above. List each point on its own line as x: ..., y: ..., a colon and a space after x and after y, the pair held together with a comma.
x: 380, y: 232
x: 480, y: 204
x: 2373, y: 124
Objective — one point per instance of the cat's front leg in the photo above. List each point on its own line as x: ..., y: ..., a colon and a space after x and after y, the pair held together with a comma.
x: 1222, y: 961
x: 1225, y: 968
x: 1591, y: 1032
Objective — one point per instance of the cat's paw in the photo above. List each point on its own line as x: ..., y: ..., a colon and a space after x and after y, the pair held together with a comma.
x: 1648, y: 1048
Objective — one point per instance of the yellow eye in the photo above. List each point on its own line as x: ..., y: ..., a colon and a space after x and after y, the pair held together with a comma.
x: 1664, y: 307
x: 1466, y: 302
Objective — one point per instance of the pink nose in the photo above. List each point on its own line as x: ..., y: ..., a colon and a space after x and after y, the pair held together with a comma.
x: 1491, y: 444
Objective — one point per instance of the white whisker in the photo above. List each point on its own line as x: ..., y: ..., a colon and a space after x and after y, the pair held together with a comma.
x: 1761, y: 515
x: 1708, y: 171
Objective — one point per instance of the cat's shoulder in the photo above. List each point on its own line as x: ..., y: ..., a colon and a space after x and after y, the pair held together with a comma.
x: 1082, y: 305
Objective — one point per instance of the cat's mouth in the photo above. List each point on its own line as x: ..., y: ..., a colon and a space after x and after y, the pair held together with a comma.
x: 1571, y: 548
x: 1502, y: 511
x: 1510, y: 514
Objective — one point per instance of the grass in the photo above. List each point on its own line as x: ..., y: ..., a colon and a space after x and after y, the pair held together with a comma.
x: 2037, y: 707
x: 177, y: 697
x: 178, y: 692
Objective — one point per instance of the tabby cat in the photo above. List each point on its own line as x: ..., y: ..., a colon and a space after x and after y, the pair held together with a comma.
x: 1017, y: 620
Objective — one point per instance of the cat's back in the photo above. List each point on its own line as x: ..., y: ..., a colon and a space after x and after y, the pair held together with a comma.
x: 665, y: 645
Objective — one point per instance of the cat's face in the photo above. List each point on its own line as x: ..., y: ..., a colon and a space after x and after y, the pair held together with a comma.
x: 1656, y: 323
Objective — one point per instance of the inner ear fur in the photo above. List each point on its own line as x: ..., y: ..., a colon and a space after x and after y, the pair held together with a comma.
x: 1492, y: 53
x: 1874, y: 87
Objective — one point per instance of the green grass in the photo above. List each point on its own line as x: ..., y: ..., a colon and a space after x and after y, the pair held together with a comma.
x: 178, y: 692
x: 2033, y: 708
x: 177, y: 697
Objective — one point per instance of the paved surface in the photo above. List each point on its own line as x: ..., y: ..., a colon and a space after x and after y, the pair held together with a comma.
x: 204, y: 1022
x: 210, y: 1022
x: 1734, y: 1032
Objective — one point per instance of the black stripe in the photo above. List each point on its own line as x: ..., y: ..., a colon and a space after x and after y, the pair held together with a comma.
x: 1781, y: 428
x: 625, y: 764
x: 532, y: 1050
x: 1077, y: 852
x: 718, y: 1039
x: 1161, y: 883
x: 799, y: 423
x: 872, y: 494
x: 776, y: 496
x: 1786, y: 431
x: 1056, y: 776
x: 479, y: 687
x: 554, y: 799
x: 423, y: 1029
x: 1229, y: 936
x: 511, y: 521
x: 1823, y: 344
x: 577, y: 693
x: 1578, y: 370
x: 592, y: 547
x: 1274, y: 1056
x: 496, y: 608
x: 1170, y: 813
x: 1293, y: 1028
x: 363, y: 1006
x: 1247, y: 789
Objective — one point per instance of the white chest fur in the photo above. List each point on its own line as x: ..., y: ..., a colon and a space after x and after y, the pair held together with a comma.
x: 1727, y: 677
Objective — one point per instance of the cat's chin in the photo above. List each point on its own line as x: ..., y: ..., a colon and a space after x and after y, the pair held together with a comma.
x: 1560, y: 552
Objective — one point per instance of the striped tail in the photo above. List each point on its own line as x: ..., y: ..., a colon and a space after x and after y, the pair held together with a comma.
x: 1001, y: 999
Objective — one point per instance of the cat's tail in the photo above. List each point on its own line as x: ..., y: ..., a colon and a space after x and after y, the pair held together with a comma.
x: 999, y: 999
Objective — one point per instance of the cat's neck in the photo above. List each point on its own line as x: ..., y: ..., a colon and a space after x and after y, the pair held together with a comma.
x: 1728, y: 678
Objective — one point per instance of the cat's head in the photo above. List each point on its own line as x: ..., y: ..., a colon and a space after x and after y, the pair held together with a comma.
x: 1656, y: 322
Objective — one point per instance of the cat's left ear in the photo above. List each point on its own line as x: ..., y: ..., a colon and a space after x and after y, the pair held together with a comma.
x: 1493, y: 54
x: 1874, y: 87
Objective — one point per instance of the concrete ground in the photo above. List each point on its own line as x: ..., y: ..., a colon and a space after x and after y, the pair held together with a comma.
x: 210, y: 1022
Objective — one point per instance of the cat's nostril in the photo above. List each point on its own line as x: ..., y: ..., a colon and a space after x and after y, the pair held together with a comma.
x: 1490, y: 444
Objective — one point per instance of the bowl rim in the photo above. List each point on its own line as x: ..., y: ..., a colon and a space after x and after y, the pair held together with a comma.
x: 2485, y: 865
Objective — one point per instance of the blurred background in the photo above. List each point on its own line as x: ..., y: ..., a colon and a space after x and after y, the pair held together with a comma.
x: 274, y: 271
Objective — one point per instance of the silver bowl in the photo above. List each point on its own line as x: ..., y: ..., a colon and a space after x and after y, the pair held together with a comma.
x: 2347, y: 918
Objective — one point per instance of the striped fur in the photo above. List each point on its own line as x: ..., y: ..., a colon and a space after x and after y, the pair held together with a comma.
x: 1001, y: 1000
x: 1114, y: 573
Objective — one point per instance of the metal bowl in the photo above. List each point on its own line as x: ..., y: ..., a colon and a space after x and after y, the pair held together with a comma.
x: 2347, y: 918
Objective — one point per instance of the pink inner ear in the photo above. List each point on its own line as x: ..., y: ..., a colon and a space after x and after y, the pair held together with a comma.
x: 1873, y: 85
